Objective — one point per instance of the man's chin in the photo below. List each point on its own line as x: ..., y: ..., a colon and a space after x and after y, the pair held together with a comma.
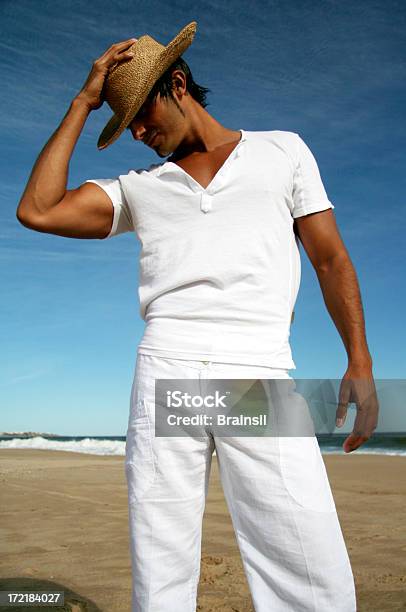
x: 162, y: 154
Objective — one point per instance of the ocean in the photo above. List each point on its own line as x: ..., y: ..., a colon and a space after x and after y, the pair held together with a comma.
x: 388, y: 443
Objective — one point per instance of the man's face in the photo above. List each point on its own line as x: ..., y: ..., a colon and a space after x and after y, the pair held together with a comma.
x: 160, y: 123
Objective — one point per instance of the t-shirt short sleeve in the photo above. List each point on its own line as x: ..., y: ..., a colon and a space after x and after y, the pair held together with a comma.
x: 122, y: 219
x: 309, y: 194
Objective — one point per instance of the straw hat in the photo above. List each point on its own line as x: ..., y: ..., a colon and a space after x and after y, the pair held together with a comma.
x: 128, y: 84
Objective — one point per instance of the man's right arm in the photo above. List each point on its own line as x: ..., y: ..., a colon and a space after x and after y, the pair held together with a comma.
x: 46, y: 205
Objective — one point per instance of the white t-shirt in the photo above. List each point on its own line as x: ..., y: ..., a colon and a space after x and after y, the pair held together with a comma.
x: 219, y: 268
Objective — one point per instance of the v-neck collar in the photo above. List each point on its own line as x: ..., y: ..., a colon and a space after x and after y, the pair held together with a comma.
x: 169, y: 166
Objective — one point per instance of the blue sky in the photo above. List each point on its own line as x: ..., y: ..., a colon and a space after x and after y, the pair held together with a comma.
x: 334, y: 72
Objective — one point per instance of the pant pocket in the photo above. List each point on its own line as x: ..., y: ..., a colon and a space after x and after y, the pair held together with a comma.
x: 139, y: 461
x: 304, y: 473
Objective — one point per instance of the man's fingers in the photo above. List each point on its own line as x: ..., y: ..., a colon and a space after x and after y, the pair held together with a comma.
x: 371, y: 424
x: 341, y: 414
x: 362, y: 392
x: 366, y: 420
x: 117, y: 46
x: 129, y: 40
x: 123, y: 43
x: 352, y: 442
x: 112, y: 60
x: 344, y: 396
x: 364, y: 425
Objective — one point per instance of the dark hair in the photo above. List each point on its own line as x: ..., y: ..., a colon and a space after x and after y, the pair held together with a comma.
x: 164, y: 84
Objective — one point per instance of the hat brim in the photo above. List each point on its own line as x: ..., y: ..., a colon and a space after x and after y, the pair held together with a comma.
x: 116, y: 125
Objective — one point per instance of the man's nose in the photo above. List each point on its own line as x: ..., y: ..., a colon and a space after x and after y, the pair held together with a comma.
x: 138, y: 132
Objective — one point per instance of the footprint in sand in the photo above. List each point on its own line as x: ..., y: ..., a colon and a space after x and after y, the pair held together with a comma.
x: 211, y: 560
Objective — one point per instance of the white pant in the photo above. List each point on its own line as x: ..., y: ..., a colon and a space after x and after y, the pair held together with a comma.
x: 278, y: 496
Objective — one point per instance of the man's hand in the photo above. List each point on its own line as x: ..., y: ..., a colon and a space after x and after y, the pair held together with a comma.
x: 358, y: 386
x: 91, y: 92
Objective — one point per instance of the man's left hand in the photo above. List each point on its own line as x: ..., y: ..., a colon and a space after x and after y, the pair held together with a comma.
x: 358, y: 386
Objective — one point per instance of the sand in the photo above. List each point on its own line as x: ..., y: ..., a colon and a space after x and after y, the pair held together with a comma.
x: 64, y: 526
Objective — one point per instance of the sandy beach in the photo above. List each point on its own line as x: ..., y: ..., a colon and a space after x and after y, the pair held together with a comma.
x: 64, y: 526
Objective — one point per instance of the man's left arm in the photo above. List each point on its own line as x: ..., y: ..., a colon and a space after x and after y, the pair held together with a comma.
x: 319, y: 234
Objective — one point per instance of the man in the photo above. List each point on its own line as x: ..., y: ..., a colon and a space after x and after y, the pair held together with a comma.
x: 219, y: 223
